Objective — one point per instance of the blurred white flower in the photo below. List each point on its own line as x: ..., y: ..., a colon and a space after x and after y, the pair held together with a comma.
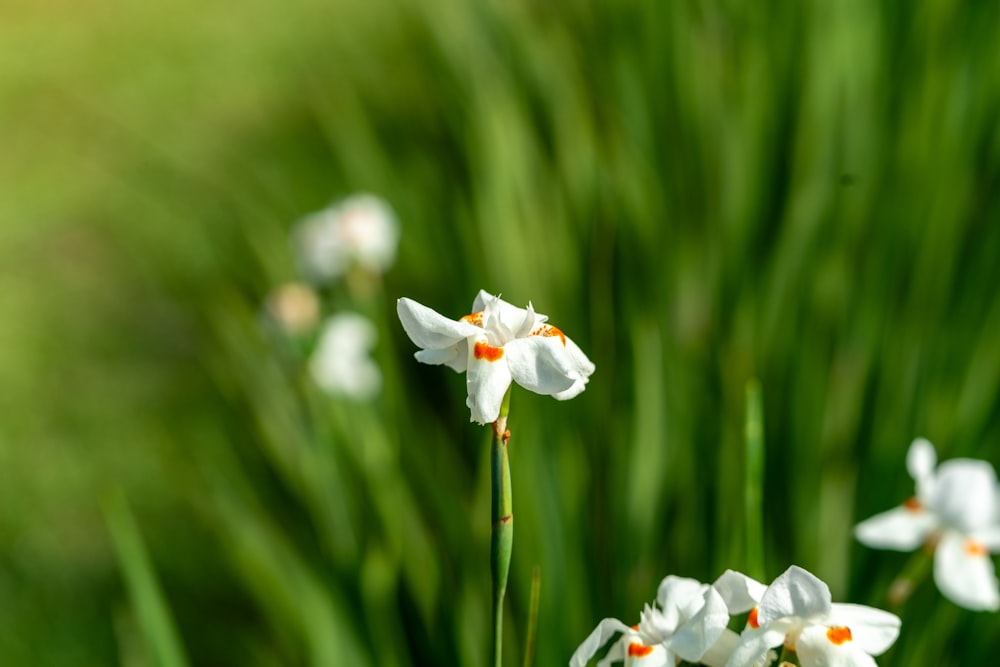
x: 358, y: 231
x: 686, y: 621
x: 342, y: 364
x: 497, y: 343
x: 294, y: 307
x: 796, y: 613
x: 955, y: 511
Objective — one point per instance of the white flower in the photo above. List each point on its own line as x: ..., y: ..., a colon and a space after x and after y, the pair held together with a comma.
x: 360, y: 230
x: 956, y: 511
x: 688, y: 620
x: 341, y: 363
x: 497, y: 343
x: 796, y: 612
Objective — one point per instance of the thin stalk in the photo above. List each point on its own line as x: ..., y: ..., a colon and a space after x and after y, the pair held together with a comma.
x: 788, y: 658
x: 536, y: 589
x: 502, y: 538
x: 916, y: 570
x: 754, y: 481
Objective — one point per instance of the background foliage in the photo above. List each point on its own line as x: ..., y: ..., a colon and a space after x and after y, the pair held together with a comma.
x: 697, y: 192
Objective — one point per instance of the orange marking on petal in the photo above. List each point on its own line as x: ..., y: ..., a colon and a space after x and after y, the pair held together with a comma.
x: 637, y: 650
x: 752, y: 619
x: 839, y: 634
x: 913, y: 504
x: 549, y: 330
x: 974, y: 548
x: 475, y: 319
x: 636, y: 627
x: 487, y: 352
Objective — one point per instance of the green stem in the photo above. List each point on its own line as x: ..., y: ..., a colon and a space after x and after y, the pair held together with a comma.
x: 536, y: 589
x: 916, y: 570
x: 754, y: 481
x: 502, y: 514
x: 788, y: 658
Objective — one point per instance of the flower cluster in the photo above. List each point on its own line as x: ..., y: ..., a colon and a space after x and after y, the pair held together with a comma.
x: 355, y: 239
x: 956, y: 513
x: 494, y: 345
x: 794, y: 615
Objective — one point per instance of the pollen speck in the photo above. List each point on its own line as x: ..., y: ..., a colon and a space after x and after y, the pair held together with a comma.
x: 487, y: 352
x: 752, y: 619
x: 637, y: 650
x: 974, y: 548
x: 475, y: 319
x: 838, y: 634
x: 913, y: 505
x: 549, y: 330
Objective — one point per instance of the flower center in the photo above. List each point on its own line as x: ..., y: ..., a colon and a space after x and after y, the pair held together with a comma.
x: 752, y: 619
x: 839, y: 634
x: 639, y: 650
x: 487, y: 352
x: 974, y: 548
x: 913, y: 504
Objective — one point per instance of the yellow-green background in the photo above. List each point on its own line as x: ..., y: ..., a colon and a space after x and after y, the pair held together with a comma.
x: 696, y: 192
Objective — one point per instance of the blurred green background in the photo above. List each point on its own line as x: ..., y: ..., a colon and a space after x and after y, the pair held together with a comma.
x: 698, y: 193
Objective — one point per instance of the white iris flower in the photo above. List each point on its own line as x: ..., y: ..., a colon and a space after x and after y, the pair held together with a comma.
x: 955, y: 511
x: 496, y: 344
x: 358, y: 231
x: 796, y: 613
x: 688, y: 618
x: 342, y: 364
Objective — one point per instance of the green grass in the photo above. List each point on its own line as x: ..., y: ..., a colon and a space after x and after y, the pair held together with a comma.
x: 698, y: 193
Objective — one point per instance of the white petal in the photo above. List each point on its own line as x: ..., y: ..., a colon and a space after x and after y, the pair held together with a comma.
x: 658, y: 656
x: 617, y: 653
x: 921, y: 459
x: 604, y: 631
x: 901, y: 529
x: 583, y: 369
x: 540, y: 365
x: 989, y: 537
x: 965, y: 493
x: 740, y: 592
x: 754, y: 646
x: 341, y: 364
x: 368, y: 230
x: 429, y: 329
x: 575, y: 390
x: 455, y: 357
x: 528, y: 324
x: 873, y: 630
x: 819, y: 646
x: 794, y: 593
x: 964, y: 573
x: 696, y: 635
x: 318, y: 248
x: 678, y: 593
x: 503, y: 319
x: 718, y: 653
x: 486, y: 381
x: 484, y: 297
